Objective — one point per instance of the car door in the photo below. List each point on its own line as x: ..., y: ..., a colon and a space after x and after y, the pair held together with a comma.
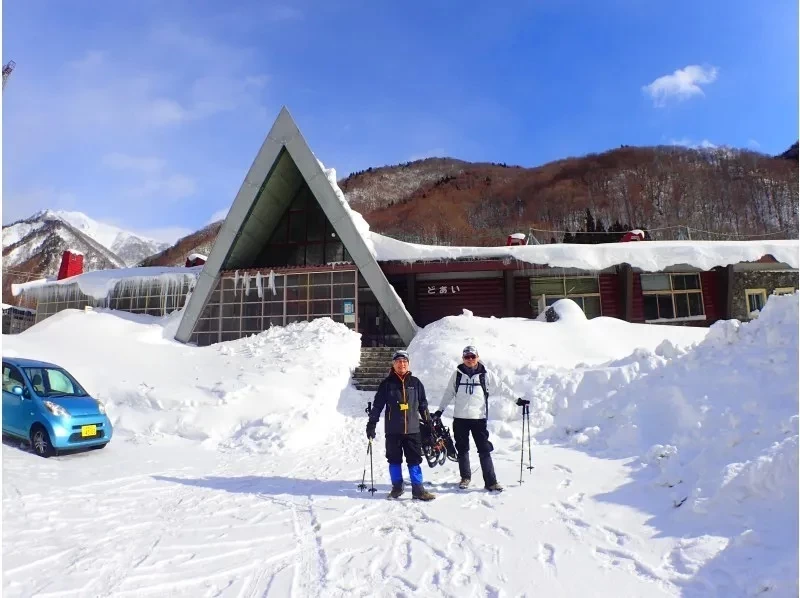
x: 14, y: 406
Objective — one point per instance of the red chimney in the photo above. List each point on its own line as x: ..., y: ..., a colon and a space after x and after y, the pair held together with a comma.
x: 71, y: 264
x: 632, y: 235
x: 195, y: 259
x: 516, y: 239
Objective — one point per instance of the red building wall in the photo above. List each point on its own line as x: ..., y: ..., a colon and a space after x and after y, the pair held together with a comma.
x: 637, y: 312
x: 522, y: 297
x: 610, y: 296
x: 482, y: 296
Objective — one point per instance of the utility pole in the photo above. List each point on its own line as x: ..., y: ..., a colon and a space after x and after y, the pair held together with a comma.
x: 7, y: 68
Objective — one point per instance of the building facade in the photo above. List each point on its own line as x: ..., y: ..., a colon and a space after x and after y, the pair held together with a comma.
x: 291, y: 250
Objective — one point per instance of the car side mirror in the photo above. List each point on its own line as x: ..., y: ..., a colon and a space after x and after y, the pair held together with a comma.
x: 17, y: 390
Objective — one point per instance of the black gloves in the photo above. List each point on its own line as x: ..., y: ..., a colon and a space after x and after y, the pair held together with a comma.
x: 523, y: 402
x: 437, y: 413
x: 371, y: 430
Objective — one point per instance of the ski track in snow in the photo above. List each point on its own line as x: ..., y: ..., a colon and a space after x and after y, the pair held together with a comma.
x: 248, y: 526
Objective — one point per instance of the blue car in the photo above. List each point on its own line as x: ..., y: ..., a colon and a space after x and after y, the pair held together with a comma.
x: 45, y: 405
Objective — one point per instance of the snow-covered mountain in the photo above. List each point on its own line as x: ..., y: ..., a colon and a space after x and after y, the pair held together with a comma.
x: 129, y: 247
x: 43, y: 240
x: 121, y: 247
x: 32, y: 248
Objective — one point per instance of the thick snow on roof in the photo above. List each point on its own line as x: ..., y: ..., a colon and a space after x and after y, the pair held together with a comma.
x: 362, y: 226
x: 100, y: 283
x: 650, y: 256
x: 194, y: 256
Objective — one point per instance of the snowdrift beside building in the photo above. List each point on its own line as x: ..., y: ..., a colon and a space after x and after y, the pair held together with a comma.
x: 271, y: 391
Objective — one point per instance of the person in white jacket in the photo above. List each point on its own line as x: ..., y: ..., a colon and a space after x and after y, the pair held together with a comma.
x: 469, y: 388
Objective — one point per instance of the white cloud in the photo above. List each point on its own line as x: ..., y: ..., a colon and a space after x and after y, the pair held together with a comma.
x: 753, y: 143
x: 682, y: 84
x: 150, y: 177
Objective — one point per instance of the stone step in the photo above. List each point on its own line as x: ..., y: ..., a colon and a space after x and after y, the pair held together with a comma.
x: 373, y: 368
x: 369, y: 379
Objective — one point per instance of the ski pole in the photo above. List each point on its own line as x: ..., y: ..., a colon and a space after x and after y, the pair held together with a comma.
x: 362, y: 486
x: 522, y: 449
x: 528, y: 417
x: 372, y: 489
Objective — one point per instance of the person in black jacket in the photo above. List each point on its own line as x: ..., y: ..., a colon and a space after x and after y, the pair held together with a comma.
x: 403, y: 397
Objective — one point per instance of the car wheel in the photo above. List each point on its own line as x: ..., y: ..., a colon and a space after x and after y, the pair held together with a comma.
x: 40, y: 442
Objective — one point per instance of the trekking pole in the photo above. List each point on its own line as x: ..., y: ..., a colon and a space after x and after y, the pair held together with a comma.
x: 362, y: 486
x: 372, y: 489
x: 528, y: 417
x: 522, y: 449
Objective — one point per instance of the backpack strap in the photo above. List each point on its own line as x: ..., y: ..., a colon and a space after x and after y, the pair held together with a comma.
x: 482, y: 378
x: 458, y: 380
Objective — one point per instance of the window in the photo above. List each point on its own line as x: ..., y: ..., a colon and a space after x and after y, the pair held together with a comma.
x: 51, y: 381
x: 11, y: 378
x: 783, y: 291
x: 584, y: 290
x: 672, y: 297
x: 756, y: 299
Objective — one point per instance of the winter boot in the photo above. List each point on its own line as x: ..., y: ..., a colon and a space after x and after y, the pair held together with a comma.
x: 489, y: 477
x: 464, y: 483
x: 418, y: 492
x: 396, y: 475
x: 397, y: 491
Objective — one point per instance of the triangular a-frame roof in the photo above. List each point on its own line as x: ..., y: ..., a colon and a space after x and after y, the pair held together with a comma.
x: 282, y: 165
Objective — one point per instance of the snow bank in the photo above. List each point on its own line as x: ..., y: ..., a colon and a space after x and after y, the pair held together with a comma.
x: 549, y: 363
x: 709, y: 418
x: 650, y: 256
x: 100, y: 283
x: 716, y: 428
x: 263, y: 393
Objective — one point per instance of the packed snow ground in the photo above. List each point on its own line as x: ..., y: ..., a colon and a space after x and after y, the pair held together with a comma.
x: 234, y: 467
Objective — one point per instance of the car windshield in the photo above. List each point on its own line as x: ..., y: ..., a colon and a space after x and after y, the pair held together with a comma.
x: 54, y: 382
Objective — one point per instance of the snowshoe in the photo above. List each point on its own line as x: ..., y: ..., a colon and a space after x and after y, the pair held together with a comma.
x: 437, y: 446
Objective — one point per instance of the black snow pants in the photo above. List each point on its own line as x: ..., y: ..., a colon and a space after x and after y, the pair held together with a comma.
x: 480, y: 434
x: 398, y: 444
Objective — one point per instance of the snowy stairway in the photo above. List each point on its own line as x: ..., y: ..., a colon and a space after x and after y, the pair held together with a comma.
x: 373, y: 367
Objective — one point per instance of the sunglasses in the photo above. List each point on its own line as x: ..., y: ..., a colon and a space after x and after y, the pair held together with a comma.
x: 470, y: 356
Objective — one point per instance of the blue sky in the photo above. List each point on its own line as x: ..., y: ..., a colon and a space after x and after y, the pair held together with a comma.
x: 148, y: 113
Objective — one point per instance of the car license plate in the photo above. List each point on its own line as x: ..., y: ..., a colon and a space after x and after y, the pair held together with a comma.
x: 89, y: 430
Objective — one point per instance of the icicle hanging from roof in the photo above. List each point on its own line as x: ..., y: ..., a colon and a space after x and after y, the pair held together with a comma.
x: 259, y: 286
